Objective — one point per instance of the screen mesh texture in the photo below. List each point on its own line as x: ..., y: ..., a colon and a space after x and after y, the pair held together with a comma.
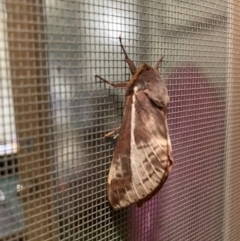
x: 54, y: 113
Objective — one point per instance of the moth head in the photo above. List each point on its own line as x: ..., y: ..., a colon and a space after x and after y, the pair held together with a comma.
x: 150, y: 81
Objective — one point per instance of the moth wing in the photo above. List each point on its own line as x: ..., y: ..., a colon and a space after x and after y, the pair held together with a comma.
x: 142, y: 159
x: 120, y: 176
x: 151, y: 159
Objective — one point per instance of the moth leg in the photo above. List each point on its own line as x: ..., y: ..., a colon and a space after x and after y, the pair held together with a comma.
x: 130, y: 63
x: 159, y: 62
x: 112, y: 132
x: 115, y: 85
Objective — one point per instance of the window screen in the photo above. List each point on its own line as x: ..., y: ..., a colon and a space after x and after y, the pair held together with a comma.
x: 54, y: 113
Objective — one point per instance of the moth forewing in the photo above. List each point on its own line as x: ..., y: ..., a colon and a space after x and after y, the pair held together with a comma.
x: 142, y: 158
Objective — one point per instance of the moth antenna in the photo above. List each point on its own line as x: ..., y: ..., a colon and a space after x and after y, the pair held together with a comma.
x: 159, y: 63
x: 123, y: 49
x: 130, y: 63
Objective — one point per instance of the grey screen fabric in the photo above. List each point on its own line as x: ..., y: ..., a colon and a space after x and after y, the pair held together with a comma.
x: 54, y: 113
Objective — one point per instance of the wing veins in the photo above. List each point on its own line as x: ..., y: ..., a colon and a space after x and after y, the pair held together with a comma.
x: 144, y: 167
x: 128, y: 195
x: 158, y: 160
x: 139, y: 174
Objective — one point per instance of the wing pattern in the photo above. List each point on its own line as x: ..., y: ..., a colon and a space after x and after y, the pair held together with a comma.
x: 142, y: 159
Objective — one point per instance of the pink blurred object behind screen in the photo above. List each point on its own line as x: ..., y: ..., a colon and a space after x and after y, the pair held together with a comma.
x: 196, y: 116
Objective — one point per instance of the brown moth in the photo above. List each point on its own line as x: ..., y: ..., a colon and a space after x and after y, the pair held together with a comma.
x: 142, y: 159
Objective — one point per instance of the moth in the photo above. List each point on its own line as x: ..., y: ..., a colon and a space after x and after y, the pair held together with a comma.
x: 142, y: 159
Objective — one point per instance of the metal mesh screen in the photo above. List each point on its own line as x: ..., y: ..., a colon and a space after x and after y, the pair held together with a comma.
x: 54, y: 114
